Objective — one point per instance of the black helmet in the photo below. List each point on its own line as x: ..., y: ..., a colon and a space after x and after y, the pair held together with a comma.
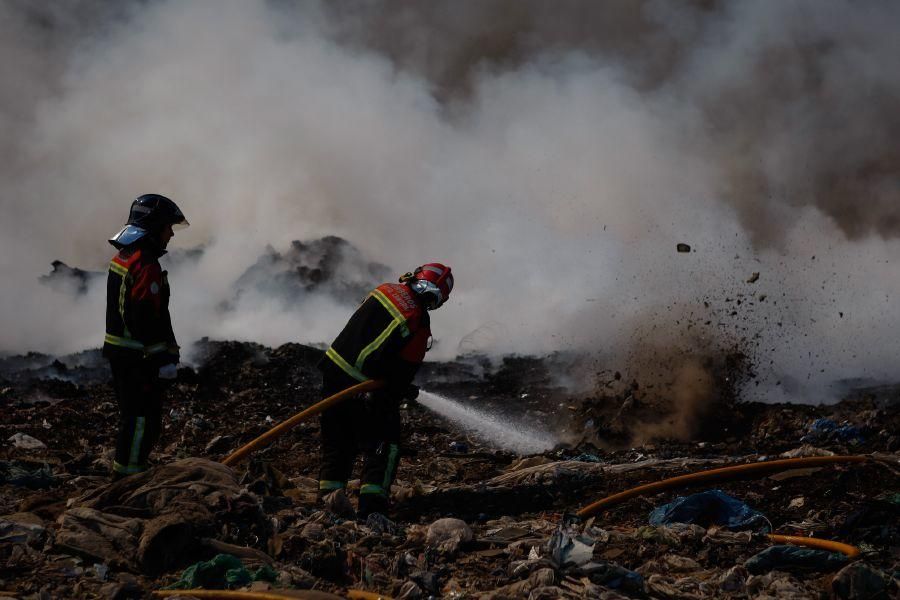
x: 152, y: 211
x: 148, y: 214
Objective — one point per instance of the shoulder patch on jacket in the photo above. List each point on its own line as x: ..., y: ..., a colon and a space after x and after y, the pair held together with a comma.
x: 402, y: 297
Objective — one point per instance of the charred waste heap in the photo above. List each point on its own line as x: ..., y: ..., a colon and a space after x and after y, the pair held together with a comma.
x: 470, y: 519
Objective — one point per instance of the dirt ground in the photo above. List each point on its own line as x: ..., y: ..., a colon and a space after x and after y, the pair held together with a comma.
x: 520, y: 538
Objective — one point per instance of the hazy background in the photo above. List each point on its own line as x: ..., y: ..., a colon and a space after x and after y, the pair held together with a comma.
x: 554, y: 153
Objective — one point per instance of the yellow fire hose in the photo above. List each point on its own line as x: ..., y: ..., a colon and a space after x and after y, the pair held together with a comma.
x: 285, y: 426
x: 810, y: 542
x: 725, y: 473
x: 363, y: 595
x: 272, y: 595
x: 721, y: 474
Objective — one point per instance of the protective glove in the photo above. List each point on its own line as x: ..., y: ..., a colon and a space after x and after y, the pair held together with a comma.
x: 168, y: 372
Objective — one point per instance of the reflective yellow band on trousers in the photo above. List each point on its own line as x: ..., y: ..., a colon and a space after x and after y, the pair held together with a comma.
x: 136, y: 441
x: 325, y: 484
x: 391, y: 465
x: 129, y: 470
x: 372, y: 488
x: 125, y: 342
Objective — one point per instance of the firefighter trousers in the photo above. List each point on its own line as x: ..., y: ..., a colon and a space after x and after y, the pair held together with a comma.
x: 139, y: 394
x: 368, y: 424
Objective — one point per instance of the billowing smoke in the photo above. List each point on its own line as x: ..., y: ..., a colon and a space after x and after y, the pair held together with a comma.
x: 553, y: 153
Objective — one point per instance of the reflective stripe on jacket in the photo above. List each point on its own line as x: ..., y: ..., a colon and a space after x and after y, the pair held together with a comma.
x: 386, y: 338
x: 138, y: 323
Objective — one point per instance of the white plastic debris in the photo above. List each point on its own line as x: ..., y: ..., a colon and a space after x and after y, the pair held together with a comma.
x: 568, y: 549
x: 447, y: 534
x: 23, y: 440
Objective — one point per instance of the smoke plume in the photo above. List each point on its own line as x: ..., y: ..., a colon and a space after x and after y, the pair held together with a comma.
x: 553, y: 153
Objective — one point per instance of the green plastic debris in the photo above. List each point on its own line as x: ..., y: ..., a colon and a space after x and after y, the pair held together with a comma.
x: 223, y: 571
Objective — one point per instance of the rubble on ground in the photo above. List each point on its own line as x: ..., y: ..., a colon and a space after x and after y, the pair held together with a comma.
x: 470, y: 520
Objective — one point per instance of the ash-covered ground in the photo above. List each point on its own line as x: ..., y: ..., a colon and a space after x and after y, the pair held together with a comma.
x: 66, y: 532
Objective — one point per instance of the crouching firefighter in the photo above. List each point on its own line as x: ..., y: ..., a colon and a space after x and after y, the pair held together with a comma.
x: 386, y: 338
x: 139, y: 343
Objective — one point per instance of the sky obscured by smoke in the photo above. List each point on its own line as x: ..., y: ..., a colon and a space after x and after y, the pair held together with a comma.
x: 553, y: 153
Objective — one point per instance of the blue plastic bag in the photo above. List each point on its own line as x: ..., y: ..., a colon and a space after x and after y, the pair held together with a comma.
x: 712, y: 507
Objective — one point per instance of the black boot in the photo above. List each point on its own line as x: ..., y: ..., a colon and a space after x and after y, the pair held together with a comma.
x: 371, y: 503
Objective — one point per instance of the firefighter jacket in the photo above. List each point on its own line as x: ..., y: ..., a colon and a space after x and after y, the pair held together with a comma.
x: 386, y: 338
x: 138, y: 325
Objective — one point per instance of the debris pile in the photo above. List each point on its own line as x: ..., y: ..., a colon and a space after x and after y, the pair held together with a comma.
x: 469, y: 519
x: 330, y: 265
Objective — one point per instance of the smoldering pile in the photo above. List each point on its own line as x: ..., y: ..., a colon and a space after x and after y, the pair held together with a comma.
x: 330, y: 266
x: 470, y: 519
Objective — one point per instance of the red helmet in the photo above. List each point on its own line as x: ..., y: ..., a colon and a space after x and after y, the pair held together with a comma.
x: 433, y: 281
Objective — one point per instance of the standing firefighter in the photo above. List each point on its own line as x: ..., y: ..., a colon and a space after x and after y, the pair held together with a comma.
x: 386, y: 338
x: 139, y: 343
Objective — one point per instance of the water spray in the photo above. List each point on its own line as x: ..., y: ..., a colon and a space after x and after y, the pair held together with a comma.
x: 493, y: 428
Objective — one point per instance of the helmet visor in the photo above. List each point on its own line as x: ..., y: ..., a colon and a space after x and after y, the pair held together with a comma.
x: 429, y: 292
x: 128, y: 235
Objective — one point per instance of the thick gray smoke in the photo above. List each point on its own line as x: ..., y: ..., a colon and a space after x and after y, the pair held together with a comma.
x: 553, y: 153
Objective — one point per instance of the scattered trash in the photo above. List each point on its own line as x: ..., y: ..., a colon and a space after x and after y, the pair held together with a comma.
x: 448, y: 534
x: 715, y: 535
x: 827, y: 430
x: 223, y: 571
x: 589, y: 458
x: 26, y: 475
x: 682, y: 248
x: 140, y: 533
x: 860, y: 580
x: 777, y: 585
x: 712, y: 507
x: 612, y: 576
x: 153, y: 521
x: 794, y: 558
x: 313, y: 532
x: 753, y: 278
x: 797, y: 502
x: 537, y: 579
x: 26, y: 442
x: 380, y: 524
x: 877, y: 521
x: 567, y: 549
x: 806, y: 450
x: 338, y: 503
x: 459, y: 447
x: 21, y: 528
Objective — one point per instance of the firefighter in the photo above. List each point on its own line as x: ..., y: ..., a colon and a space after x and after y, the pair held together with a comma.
x: 386, y: 339
x: 139, y: 342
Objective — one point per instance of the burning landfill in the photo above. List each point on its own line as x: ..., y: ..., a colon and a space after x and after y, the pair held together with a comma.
x: 668, y: 368
x: 500, y: 464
